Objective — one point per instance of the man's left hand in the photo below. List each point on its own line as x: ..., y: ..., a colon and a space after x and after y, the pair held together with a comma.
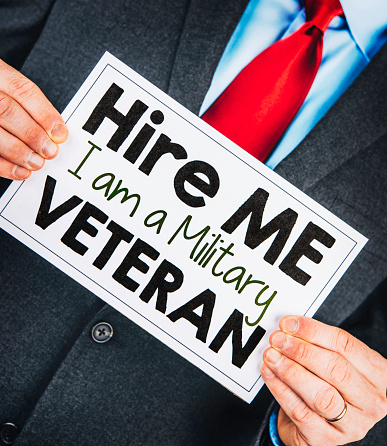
x: 313, y: 370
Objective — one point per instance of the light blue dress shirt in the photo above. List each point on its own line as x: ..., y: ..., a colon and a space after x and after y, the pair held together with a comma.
x: 348, y: 46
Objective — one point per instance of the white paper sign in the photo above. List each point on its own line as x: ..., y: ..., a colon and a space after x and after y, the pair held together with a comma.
x: 177, y: 227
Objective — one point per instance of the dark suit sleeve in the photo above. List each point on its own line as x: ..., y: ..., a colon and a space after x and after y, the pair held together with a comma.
x: 21, y: 22
x: 263, y: 438
x: 369, y: 324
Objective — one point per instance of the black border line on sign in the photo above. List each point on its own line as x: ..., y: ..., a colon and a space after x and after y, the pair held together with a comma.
x: 232, y: 153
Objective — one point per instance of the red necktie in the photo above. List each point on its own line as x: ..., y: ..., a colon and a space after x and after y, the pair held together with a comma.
x: 257, y: 107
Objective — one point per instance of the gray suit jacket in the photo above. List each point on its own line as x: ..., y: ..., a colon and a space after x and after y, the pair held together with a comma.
x: 56, y: 383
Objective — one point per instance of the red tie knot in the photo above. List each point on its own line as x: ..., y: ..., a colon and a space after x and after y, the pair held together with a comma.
x: 321, y: 12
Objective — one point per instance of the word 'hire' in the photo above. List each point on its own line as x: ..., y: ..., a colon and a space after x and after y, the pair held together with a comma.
x: 163, y: 145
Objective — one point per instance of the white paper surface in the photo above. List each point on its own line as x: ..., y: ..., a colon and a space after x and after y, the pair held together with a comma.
x: 240, y: 175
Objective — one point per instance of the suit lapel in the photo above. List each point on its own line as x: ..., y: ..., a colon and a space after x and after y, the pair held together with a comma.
x: 355, y: 121
x: 206, y: 31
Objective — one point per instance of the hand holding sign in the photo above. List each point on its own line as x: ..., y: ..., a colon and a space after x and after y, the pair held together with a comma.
x: 314, y: 370
x: 30, y: 127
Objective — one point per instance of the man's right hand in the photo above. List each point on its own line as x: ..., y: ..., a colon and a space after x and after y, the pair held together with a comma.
x: 30, y: 127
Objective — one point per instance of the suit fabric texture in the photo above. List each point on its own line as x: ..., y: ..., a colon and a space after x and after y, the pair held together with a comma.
x: 56, y: 383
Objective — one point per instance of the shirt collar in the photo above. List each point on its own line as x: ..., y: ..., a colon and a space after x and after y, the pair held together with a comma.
x: 367, y: 22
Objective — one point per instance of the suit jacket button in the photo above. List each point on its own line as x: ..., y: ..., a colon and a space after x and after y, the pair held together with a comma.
x: 102, y: 332
x: 8, y: 433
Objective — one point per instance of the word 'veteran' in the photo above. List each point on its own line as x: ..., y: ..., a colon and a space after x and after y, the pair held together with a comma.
x: 158, y: 285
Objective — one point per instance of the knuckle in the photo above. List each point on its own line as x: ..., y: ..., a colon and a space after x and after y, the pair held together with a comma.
x: 14, y: 152
x: 303, y: 352
x: 30, y: 134
x: 285, y: 393
x: 326, y: 400
x: 301, y: 413
x: 331, y: 439
x: 298, y: 439
x: 344, y: 343
x: 289, y: 373
x: 383, y: 403
x: 339, y: 371
x: 358, y: 431
x: 378, y: 408
x: 22, y: 88
x: 313, y: 328
x: 5, y: 106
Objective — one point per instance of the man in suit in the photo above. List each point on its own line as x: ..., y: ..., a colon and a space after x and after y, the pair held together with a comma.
x: 58, y: 386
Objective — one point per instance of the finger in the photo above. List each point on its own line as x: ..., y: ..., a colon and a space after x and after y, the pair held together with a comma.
x: 331, y: 368
x: 289, y: 430
x: 352, y: 427
x: 18, y: 153
x: 366, y: 360
x: 31, y: 98
x: 15, y: 120
x: 320, y: 396
x: 12, y: 171
x: 307, y: 426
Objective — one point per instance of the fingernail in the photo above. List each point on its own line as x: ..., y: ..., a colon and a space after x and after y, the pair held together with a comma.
x: 20, y: 172
x: 59, y: 133
x: 267, y: 372
x: 273, y: 356
x: 49, y: 149
x: 279, y: 340
x: 290, y: 325
x: 35, y: 161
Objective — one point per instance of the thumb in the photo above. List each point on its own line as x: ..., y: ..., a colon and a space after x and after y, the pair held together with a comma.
x: 288, y: 431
